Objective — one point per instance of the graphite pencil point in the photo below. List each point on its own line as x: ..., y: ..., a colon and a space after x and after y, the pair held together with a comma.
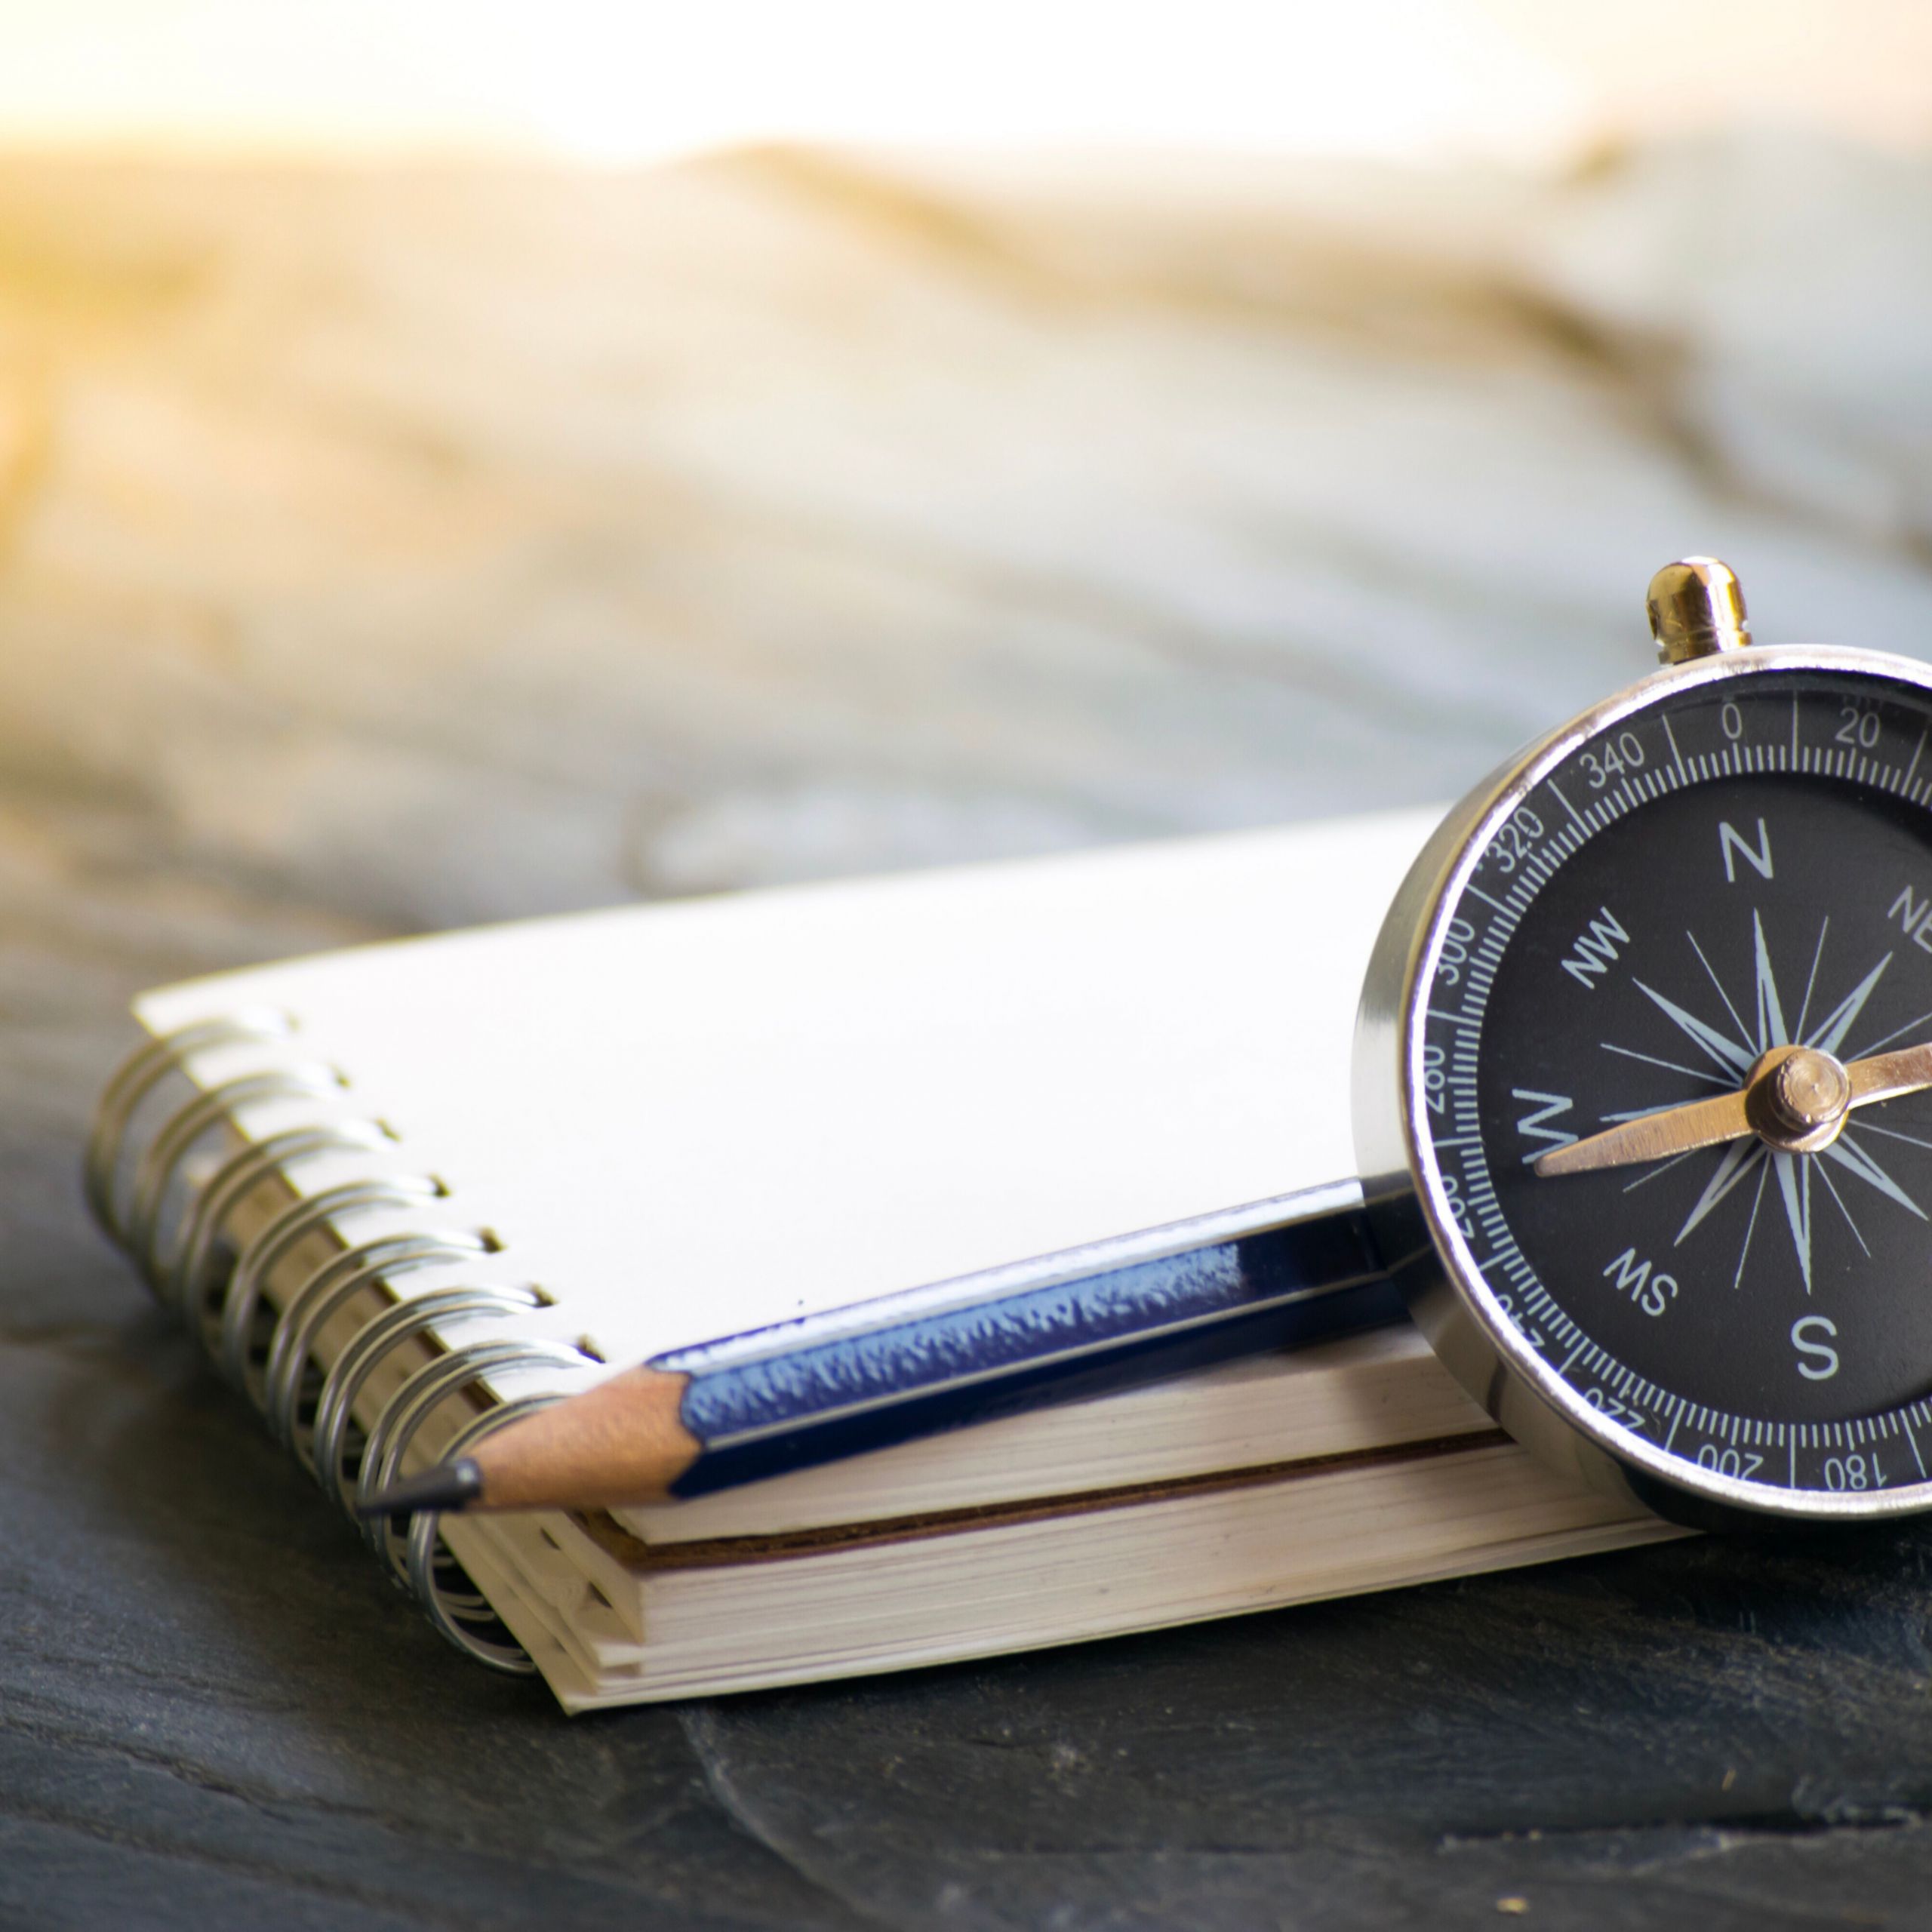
x: 449, y: 1486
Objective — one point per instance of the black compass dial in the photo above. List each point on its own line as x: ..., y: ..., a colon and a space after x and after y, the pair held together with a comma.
x: 1739, y: 868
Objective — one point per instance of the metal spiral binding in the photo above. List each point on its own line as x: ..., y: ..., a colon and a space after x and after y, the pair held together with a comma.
x: 258, y: 1259
x: 177, y: 1254
x: 333, y: 1286
x: 410, y: 1407
x: 351, y: 1370
x: 184, y: 1271
x: 464, y: 1617
x: 155, y: 1170
x: 138, y: 1076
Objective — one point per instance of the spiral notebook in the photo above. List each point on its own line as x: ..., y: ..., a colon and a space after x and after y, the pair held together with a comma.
x: 399, y: 1190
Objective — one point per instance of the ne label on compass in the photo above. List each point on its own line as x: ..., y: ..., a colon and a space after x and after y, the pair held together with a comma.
x: 1713, y: 918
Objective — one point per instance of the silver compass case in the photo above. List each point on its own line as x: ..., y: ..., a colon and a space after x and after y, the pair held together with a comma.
x: 1697, y: 614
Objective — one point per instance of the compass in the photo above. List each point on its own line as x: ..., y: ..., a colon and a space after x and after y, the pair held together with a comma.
x: 1643, y: 1080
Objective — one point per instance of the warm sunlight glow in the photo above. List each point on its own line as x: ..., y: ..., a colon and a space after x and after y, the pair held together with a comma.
x: 635, y: 80
x: 610, y: 81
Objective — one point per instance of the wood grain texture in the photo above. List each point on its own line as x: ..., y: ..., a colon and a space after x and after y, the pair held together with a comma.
x: 381, y: 551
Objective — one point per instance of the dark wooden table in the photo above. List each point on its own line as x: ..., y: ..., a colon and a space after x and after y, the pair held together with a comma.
x: 382, y: 551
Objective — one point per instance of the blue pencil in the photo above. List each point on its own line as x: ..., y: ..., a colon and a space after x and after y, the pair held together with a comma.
x: 1277, y: 1274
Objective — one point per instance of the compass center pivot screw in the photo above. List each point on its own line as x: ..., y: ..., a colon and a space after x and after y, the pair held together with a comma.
x: 1696, y: 609
x: 1798, y: 1099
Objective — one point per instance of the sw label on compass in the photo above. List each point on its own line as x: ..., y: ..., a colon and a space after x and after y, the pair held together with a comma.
x: 1667, y: 1088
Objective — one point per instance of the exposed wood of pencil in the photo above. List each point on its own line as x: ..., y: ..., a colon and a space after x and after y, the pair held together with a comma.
x: 622, y: 1442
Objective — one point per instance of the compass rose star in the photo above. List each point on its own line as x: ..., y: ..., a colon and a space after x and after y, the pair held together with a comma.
x: 1741, y: 1159
x: 1729, y: 1056
x: 1771, y: 1013
x: 1845, y: 1153
x: 1794, y: 1173
x: 1732, y: 1054
x: 1830, y: 1032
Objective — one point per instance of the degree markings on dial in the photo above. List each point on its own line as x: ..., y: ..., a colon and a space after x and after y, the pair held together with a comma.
x: 1583, y: 824
x: 1670, y: 737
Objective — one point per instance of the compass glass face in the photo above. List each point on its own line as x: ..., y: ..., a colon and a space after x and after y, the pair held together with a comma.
x: 1741, y: 867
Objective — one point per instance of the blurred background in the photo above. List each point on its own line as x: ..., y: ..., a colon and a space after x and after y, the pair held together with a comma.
x: 463, y: 460
x: 460, y: 460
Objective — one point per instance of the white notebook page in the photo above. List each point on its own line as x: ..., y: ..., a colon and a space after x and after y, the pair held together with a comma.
x: 692, y: 1119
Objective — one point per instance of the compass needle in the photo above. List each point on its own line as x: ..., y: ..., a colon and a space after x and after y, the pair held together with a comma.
x: 1798, y: 1099
x: 1671, y: 924
x: 1890, y: 1076
x: 1653, y: 1137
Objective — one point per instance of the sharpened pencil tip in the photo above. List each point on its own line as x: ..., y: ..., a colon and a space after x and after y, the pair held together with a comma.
x: 449, y: 1486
